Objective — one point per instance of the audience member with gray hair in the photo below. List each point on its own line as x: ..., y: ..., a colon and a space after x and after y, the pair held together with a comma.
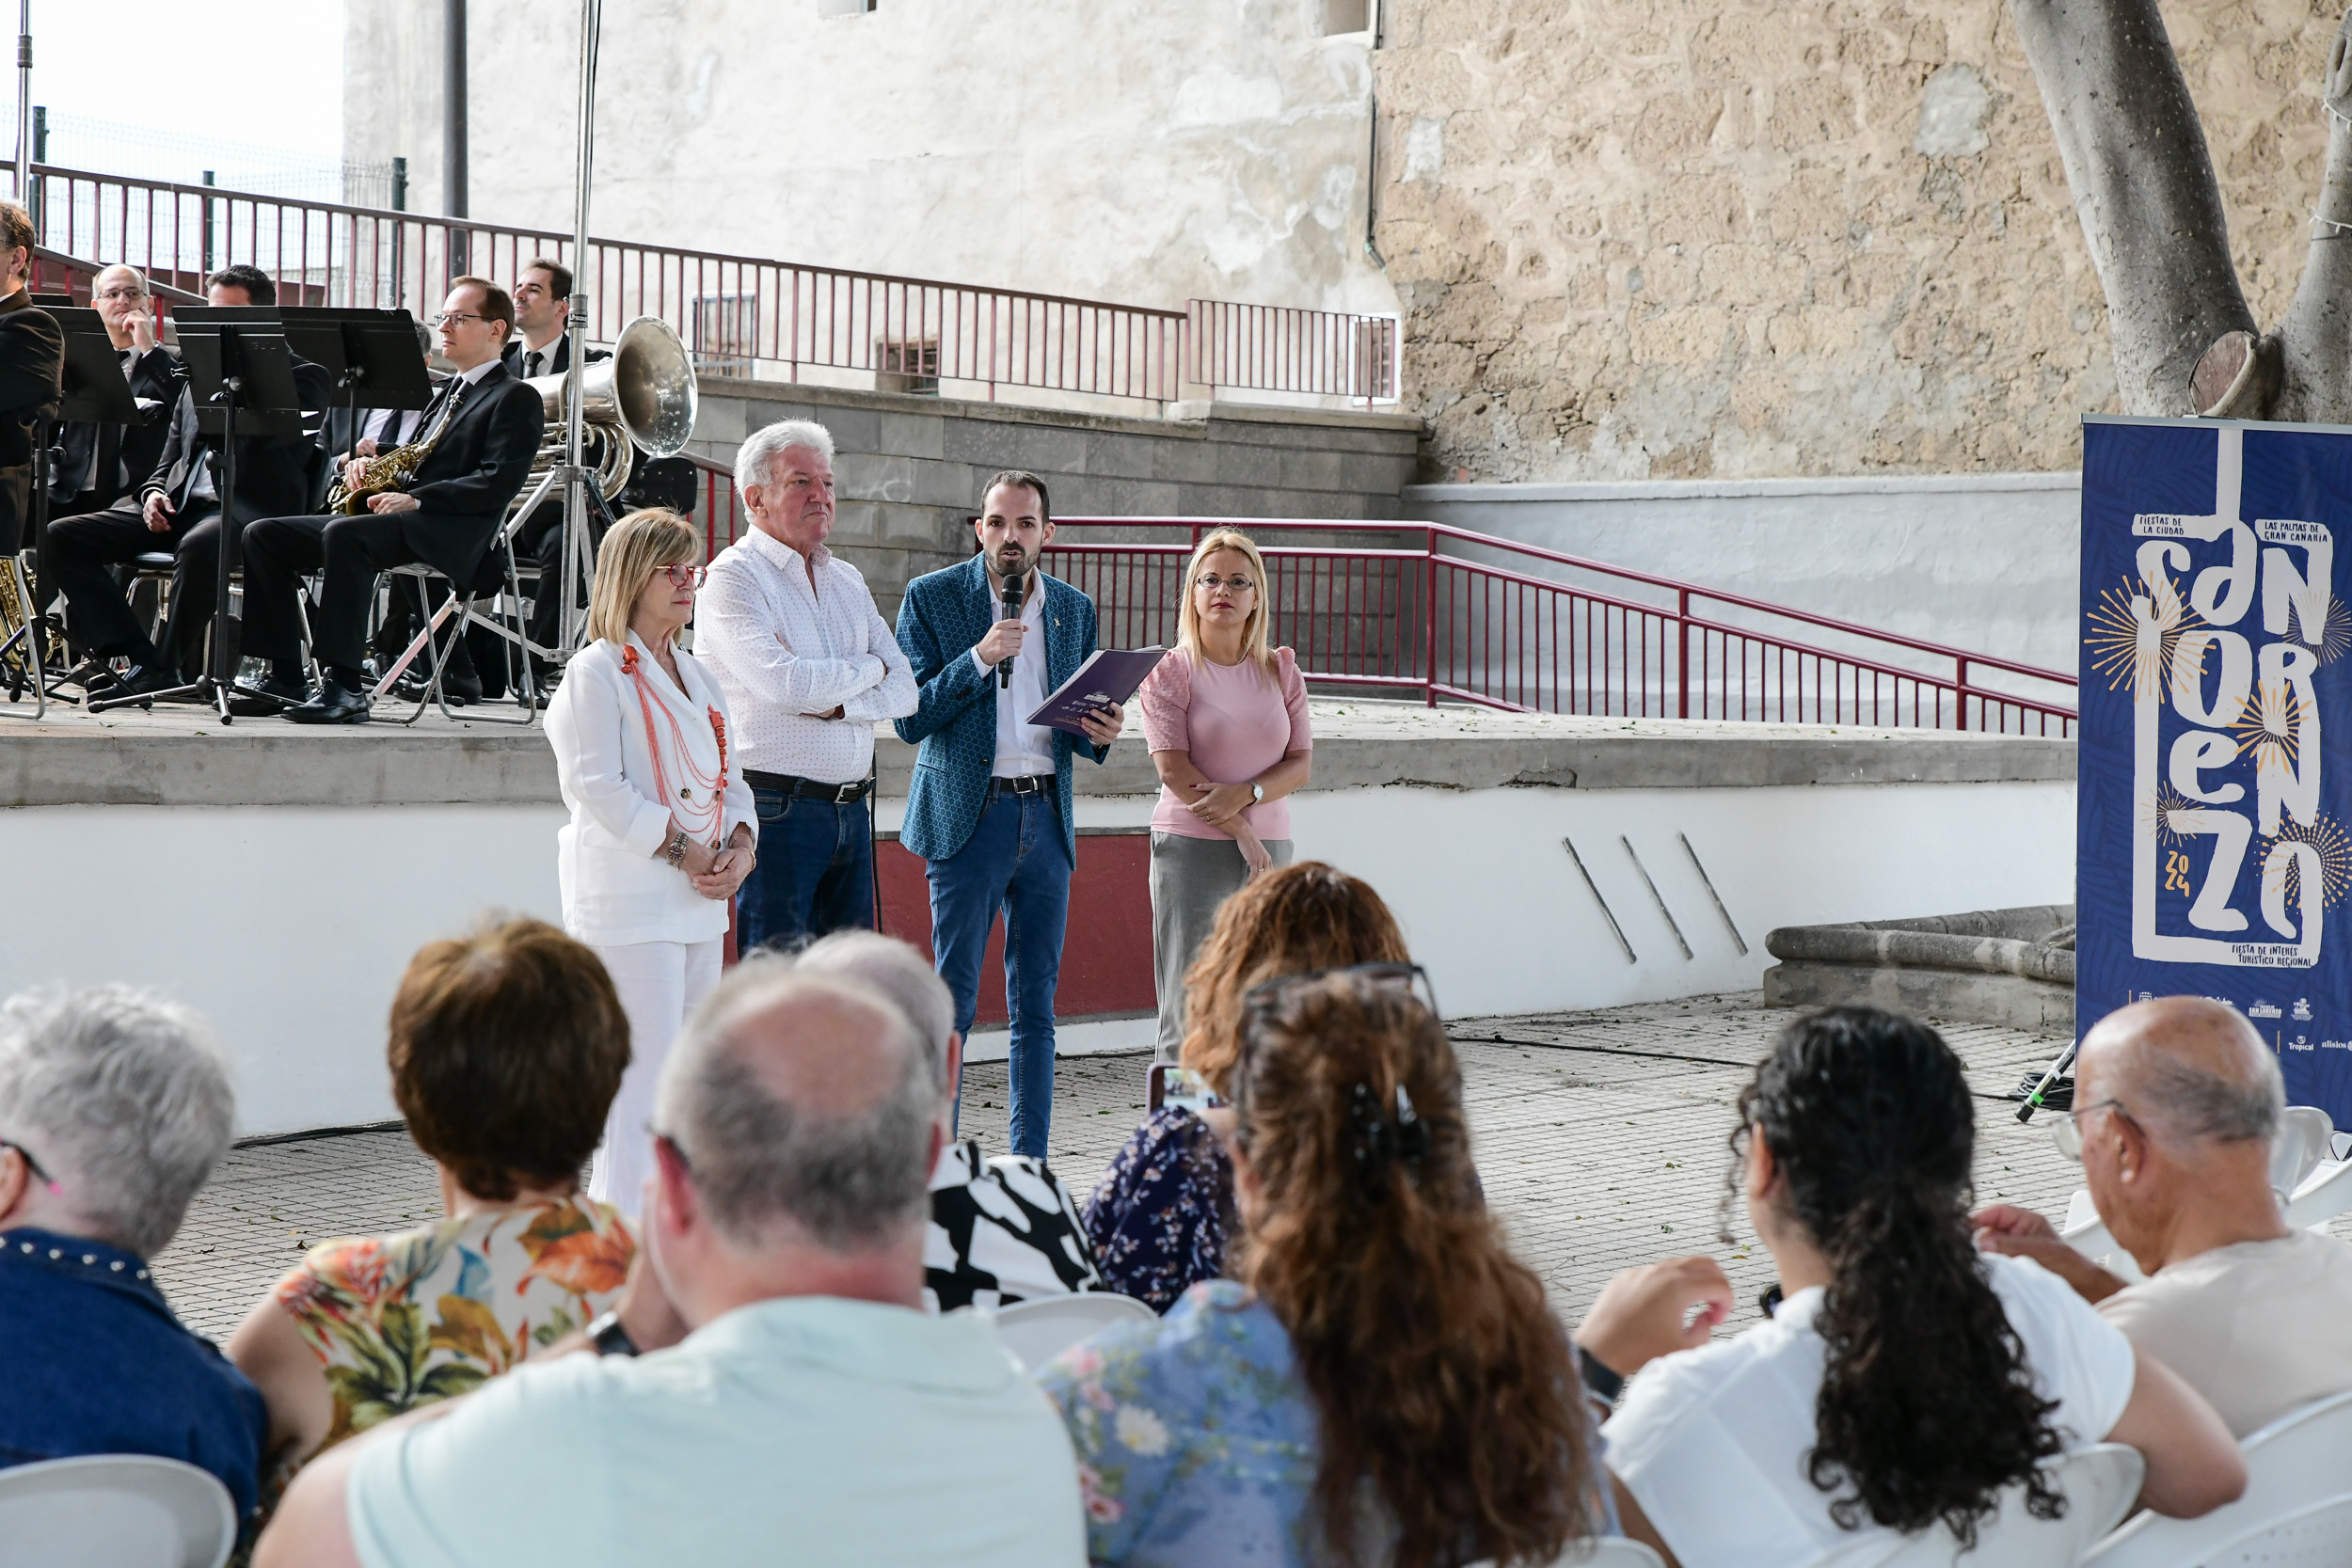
x: 808, y: 667
x: 791, y: 1398
x: 1004, y: 1229
x: 114, y: 1107
x: 2176, y: 1102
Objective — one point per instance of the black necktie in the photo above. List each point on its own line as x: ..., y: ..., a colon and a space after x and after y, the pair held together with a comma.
x: 531, y: 364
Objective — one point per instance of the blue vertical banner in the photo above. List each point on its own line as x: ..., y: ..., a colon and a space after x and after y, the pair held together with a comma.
x: 2215, y: 786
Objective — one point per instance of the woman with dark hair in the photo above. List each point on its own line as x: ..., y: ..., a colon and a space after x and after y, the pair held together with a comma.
x: 1158, y: 1219
x: 1904, y: 1379
x: 1385, y: 1385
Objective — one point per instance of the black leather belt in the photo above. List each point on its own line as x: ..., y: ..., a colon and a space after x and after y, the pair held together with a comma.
x: 809, y: 789
x: 1033, y: 783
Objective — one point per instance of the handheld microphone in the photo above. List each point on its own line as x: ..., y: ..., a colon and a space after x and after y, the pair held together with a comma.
x: 1011, y: 606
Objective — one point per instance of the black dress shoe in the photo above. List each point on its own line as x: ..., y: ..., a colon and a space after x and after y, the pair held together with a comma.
x: 461, y: 687
x: 289, y: 692
x: 333, y: 703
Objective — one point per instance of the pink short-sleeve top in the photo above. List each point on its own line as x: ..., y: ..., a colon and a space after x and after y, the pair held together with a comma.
x: 1233, y: 722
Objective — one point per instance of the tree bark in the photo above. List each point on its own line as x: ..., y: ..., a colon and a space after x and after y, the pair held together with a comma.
x: 2144, y: 190
x: 2316, y: 336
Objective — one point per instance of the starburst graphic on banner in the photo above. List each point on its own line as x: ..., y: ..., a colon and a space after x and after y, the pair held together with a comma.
x: 2335, y: 633
x: 2169, y: 801
x: 2114, y: 636
x: 2268, y: 725
x: 2335, y: 845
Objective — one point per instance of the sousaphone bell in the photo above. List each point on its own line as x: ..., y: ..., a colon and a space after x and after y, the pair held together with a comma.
x: 643, y: 398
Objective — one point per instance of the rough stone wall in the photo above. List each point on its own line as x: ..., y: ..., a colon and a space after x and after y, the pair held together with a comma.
x: 1667, y: 238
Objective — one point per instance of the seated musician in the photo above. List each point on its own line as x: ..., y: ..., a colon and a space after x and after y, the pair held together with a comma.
x: 542, y: 346
x: 32, y: 358
x: 484, y: 427
x: 91, y: 465
x: 177, y: 509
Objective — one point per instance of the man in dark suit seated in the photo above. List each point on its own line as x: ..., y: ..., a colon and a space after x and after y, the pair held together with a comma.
x: 484, y: 426
x: 178, y: 509
x: 350, y: 433
x: 32, y: 358
x: 93, y: 466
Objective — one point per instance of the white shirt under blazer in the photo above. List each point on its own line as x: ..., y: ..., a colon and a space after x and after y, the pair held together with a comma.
x: 617, y: 888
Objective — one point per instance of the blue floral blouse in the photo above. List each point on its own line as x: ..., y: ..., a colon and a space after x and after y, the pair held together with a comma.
x: 1158, y: 1217
x: 1197, y: 1442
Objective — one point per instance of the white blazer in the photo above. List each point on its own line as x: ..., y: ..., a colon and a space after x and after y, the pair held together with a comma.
x: 617, y: 888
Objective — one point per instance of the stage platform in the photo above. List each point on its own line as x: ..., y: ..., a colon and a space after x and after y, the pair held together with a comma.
x: 278, y: 877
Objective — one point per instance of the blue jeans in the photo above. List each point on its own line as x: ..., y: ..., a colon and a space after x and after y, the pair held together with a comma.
x: 1016, y: 861
x: 814, y: 873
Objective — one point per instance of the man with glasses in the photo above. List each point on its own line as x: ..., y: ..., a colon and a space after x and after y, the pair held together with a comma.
x: 95, y: 464
x: 485, y: 426
x: 176, y: 509
x: 2178, y: 1100
x: 809, y: 668
x: 989, y: 809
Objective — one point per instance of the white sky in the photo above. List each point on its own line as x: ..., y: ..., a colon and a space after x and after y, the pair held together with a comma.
x: 287, y: 60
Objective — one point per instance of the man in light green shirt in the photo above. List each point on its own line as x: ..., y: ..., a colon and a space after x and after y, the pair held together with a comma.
x: 812, y: 1412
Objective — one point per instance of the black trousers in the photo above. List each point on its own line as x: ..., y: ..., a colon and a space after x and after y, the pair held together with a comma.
x: 349, y: 554
x: 98, y: 616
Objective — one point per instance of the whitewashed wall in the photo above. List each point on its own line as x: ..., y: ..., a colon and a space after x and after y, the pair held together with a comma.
x: 1136, y: 153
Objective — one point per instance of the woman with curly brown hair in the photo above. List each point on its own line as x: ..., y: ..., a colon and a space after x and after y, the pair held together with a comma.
x: 1385, y: 1384
x: 1906, y: 1380
x: 1159, y: 1217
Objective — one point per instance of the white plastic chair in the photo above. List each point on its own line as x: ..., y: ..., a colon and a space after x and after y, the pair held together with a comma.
x: 2298, y: 1507
x: 1037, y: 1330
x: 2305, y: 1132
x: 113, y: 1510
x: 2099, y: 1483
x: 2324, y: 1194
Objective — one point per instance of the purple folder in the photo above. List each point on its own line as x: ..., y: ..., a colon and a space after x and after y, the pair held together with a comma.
x: 1110, y: 676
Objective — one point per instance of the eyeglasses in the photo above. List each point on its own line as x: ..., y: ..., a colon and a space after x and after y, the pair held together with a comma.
x: 447, y: 316
x: 123, y: 290
x: 32, y: 1165
x: 685, y: 576
x: 2066, y: 1126
x: 1401, y: 977
x: 1239, y: 585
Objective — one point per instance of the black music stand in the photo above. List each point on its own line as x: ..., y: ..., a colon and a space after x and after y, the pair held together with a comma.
x: 240, y: 376
x: 93, y: 392
x: 372, y: 351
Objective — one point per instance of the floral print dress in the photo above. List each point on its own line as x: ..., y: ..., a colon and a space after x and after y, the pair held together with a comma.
x: 1159, y: 1217
x: 428, y: 1314
x: 1198, y: 1444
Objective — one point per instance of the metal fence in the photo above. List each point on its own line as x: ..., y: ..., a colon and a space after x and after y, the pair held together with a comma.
x: 740, y: 315
x: 1430, y: 612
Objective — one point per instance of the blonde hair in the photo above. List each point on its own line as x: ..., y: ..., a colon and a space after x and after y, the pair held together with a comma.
x: 639, y: 546
x: 1255, y: 645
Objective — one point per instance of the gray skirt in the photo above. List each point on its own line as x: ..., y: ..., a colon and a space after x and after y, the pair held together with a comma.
x: 1190, y: 878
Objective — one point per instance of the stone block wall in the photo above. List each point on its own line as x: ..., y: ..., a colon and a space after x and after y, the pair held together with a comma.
x: 1729, y: 238
x: 909, y: 468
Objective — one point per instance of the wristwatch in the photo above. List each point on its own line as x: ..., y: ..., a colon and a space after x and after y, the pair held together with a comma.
x: 1257, y: 793
x: 675, y: 853
x: 609, y: 1337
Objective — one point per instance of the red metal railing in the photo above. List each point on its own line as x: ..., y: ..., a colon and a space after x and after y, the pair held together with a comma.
x: 1418, y: 612
x: 1415, y: 615
x: 1275, y: 348
x: 740, y: 315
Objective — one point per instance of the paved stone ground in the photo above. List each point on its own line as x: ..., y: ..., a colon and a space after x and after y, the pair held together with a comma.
x: 1600, y: 1138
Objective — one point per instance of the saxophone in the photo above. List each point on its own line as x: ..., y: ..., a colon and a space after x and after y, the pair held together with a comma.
x: 395, y: 469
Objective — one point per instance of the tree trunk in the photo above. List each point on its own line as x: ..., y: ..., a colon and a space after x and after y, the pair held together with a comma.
x: 2144, y: 190
x: 2316, y: 337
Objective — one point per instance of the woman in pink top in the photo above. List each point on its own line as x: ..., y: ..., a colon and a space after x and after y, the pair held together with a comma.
x: 1225, y: 716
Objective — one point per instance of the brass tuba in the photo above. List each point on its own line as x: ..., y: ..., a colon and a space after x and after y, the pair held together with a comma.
x: 644, y: 397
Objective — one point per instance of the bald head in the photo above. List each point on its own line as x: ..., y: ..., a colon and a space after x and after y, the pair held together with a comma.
x: 802, y: 1103
x: 2194, y: 1068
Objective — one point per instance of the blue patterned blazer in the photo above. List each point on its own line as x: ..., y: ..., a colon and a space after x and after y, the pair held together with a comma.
x: 941, y: 619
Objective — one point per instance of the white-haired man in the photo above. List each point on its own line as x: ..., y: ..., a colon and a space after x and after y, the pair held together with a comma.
x: 2177, y: 1101
x: 114, y: 1108
x: 809, y: 667
x: 1003, y: 1229
x: 812, y: 1412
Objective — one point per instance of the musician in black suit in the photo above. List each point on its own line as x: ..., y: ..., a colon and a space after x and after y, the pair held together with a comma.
x: 486, y: 427
x: 92, y: 465
x: 178, y: 509
x: 542, y: 346
x: 350, y: 433
x: 32, y: 359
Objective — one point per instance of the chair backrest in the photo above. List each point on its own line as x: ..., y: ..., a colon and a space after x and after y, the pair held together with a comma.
x: 115, y: 1511
x: 2324, y: 1194
x: 1036, y: 1331
x: 2305, y: 1132
x: 2298, y: 1507
x: 2088, y: 1235
x: 2098, y: 1482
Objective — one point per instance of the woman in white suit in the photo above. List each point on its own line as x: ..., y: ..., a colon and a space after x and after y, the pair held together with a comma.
x: 663, y: 830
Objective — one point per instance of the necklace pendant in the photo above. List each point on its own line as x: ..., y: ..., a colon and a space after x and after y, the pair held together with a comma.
x: 684, y: 793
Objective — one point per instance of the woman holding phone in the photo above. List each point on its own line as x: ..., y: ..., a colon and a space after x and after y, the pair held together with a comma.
x: 1224, y: 717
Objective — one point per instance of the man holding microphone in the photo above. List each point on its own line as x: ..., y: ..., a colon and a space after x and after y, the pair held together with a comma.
x: 990, y: 810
